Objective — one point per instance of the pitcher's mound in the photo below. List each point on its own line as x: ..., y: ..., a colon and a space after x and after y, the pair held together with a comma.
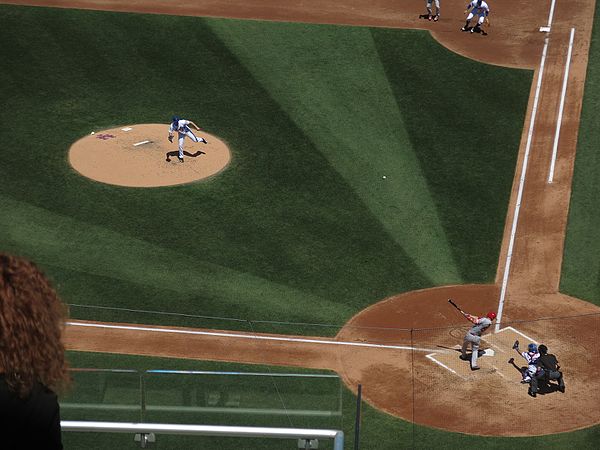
x: 135, y: 156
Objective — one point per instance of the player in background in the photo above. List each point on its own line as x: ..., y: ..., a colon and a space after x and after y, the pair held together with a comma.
x: 480, y: 9
x: 430, y: 15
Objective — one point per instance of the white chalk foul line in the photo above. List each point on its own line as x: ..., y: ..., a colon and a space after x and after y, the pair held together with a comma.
x: 141, y: 143
x: 513, y: 231
x: 248, y: 336
x: 551, y: 15
x: 563, y: 95
x: 547, y: 28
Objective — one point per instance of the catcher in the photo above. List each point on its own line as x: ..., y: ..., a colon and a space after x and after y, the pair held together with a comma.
x: 531, y: 356
x: 183, y: 130
x: 480, y: 9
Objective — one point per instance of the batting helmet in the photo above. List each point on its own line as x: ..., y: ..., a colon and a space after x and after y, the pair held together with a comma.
x: 491, y: 315
x: 532, y: 348
x: 175, y: 119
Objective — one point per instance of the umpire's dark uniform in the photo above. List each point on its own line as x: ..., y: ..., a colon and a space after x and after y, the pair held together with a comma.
x: 549, y: 365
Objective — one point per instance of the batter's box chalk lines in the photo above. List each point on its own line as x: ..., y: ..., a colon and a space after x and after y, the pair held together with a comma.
x: 431, y: 357
x: 498, y: 372
x: 518, y: 332
x: 141, y: 143
x: 249, y: 336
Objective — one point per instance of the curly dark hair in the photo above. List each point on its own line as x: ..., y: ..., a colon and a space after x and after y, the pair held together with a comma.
x: 32, y: 319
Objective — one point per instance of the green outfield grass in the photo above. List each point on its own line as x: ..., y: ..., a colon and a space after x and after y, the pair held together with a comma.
x: 301, y: 226
x: 581, y: 265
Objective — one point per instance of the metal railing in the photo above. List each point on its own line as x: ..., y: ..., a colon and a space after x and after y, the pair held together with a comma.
x: 145, y: 431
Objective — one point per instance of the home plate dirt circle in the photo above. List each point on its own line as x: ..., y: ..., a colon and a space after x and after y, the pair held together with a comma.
x: 134, y: 156
x: 424, y: 381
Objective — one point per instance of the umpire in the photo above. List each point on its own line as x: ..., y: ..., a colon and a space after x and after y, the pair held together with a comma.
x: 548, y: 369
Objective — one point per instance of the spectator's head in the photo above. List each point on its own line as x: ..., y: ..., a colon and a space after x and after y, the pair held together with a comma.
x: 31, y: 323
x: 543, y: 349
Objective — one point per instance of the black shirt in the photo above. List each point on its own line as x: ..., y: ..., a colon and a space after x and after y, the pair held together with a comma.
x: 32, y: 422
x: 547, y: 362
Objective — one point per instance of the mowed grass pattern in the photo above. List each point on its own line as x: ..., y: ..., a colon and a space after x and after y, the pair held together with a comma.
x: 581, y: 265
x: 301, y: 226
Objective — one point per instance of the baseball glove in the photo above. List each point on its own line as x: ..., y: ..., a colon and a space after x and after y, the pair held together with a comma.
x: 170, y: 139
x: 516, y: 345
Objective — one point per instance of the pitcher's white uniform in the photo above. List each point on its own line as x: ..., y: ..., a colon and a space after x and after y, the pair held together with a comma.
x: 183, y: 130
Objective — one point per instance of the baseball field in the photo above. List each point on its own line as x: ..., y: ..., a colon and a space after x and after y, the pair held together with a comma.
x: 363, y: 165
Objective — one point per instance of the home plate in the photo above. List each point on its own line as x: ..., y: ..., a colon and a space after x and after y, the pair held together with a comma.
x: 495, y: 358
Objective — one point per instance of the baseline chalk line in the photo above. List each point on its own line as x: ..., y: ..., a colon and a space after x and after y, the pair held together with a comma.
x: 563, y: 95
x: 251, y: 337
x: 141, y: 143
x: 515, y: 221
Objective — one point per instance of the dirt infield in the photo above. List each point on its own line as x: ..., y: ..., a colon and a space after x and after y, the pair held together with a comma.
x: 529, y: 265
x: 134, y: 156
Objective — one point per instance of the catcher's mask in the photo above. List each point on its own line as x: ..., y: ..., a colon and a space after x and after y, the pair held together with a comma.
x: 532, y: 348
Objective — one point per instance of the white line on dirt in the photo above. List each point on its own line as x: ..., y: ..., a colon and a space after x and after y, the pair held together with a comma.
x: 493, y: 345
x: 430, y: 356
x: 518, y: 332
x: 551, y: 15
x: 250, y: 336
x: 141, y: 143
x: 521, y: 186
x: 498, y: 372
x: 563, y: 95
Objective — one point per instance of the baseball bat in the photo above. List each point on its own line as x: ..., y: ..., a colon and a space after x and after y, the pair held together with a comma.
x: 455, y: 305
